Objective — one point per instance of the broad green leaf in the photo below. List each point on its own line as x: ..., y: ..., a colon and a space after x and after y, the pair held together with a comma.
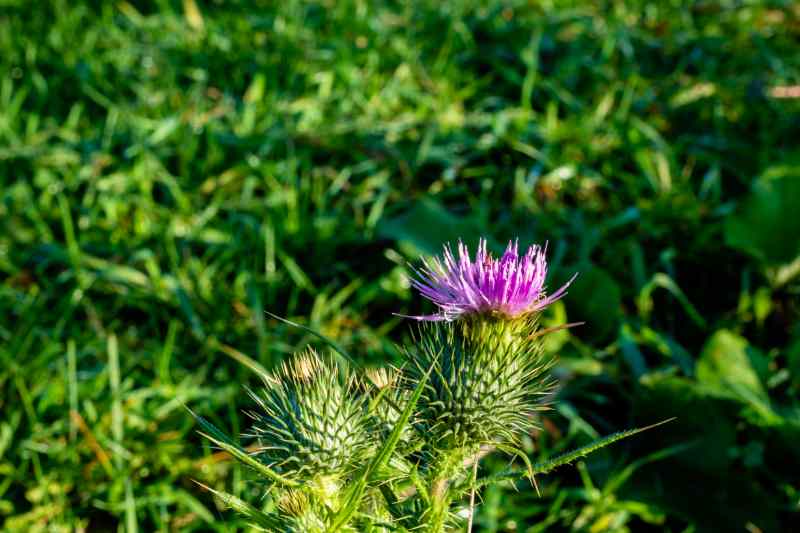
x: 725, y: 368
x: 426, y: 226
x: 594, y: 298
x: 767, y: 223
x: 699, y: 416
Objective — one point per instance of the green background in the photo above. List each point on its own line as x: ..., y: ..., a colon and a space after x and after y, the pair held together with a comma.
x: 170, y: 170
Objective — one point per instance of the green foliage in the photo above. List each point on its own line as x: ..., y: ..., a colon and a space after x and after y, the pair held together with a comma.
x: 426, y: 226
x: 595, y: 298
x: 164, y: 181
x: 725, y: 367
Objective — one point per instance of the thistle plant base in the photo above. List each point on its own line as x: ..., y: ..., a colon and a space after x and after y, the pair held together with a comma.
x: 344, y: 450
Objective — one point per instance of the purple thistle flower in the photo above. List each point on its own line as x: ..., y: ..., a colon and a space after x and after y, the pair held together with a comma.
x: 510, y: 286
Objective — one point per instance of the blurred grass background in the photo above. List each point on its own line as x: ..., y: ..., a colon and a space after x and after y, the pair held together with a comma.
x: 169, y: 170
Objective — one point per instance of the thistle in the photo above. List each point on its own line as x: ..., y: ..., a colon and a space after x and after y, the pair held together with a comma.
x: 489, y: 372
x: 397, y: 450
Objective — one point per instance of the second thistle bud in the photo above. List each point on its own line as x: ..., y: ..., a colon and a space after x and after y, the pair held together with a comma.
x: 309, y: 425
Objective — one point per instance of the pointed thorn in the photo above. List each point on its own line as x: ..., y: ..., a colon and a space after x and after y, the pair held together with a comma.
x: 554, y: 329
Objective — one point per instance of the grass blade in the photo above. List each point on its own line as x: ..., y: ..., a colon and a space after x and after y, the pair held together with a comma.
x: 117, y: 422
x: 131, y: 523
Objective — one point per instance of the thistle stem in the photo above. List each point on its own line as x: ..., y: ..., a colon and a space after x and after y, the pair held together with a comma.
x: 440, y: 503
x: 472, y: 494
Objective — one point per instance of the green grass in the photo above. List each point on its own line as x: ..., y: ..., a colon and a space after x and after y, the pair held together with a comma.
x: 167, y: 174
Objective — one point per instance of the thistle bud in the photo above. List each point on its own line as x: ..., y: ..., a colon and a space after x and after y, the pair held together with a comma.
x: 310, y: 426
x: 299, y: 514
x: 487, y: 379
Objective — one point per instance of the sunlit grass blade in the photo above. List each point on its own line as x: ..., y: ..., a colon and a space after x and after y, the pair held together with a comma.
x: 241, y: 358
x: 131, y: 522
